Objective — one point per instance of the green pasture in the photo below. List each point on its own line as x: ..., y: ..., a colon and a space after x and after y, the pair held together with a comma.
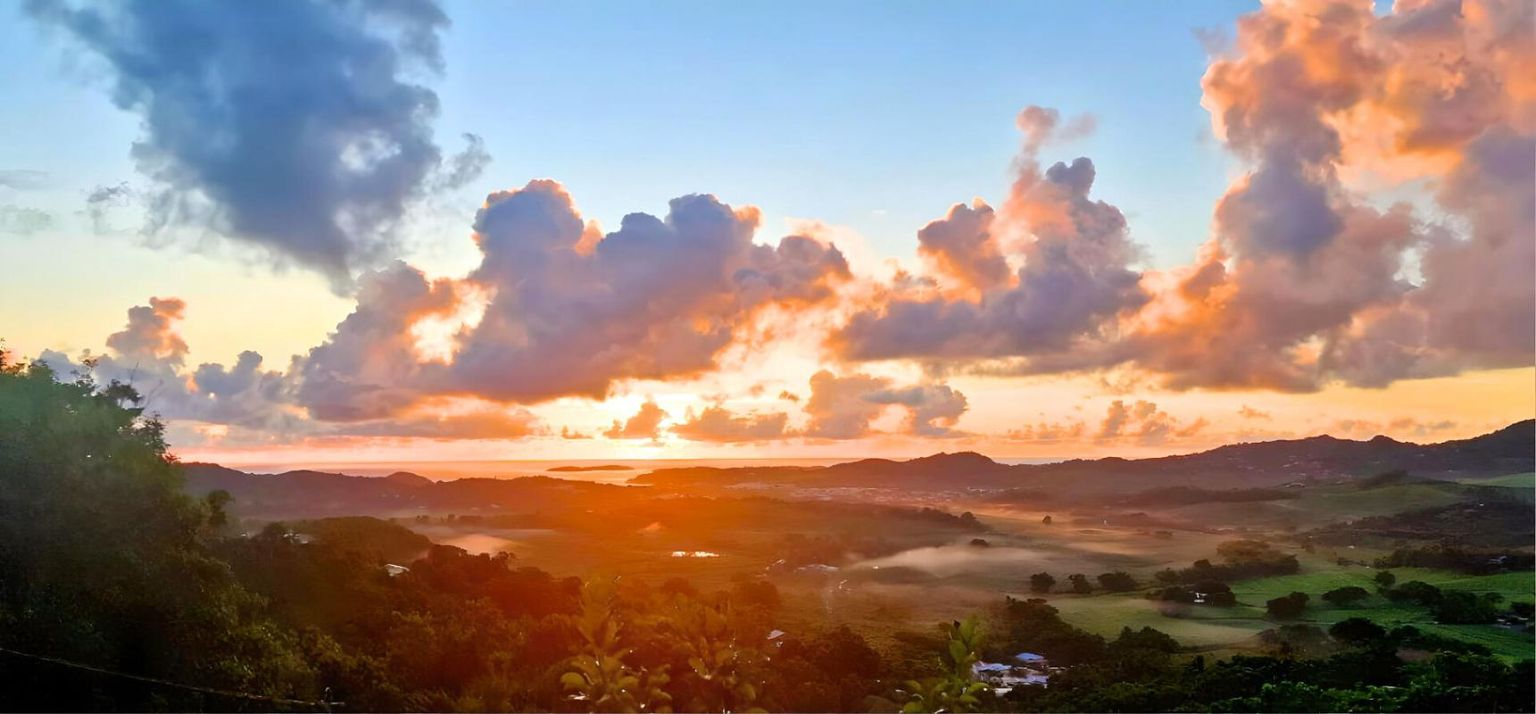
x: 1525, y: 480
x: 1214, y: 628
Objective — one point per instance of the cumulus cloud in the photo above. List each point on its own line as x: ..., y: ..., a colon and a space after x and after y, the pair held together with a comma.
x: 482, y: 421
x: 1304, y: 281
x: 845, y: 407
x: 1411, y: 427
x: 838, y: 408
x: 1475, y: 305
x: 659, y: 297
x: 1248, y: 412
x: 1400, y: 427
x: 720, y: 425
x: 1047, y: 432
x: 291, y: 126
x: 932, y: 409
x: 149, y: 335
x: 961, y: 246
x: 570, y: 310
x: 150, y: 355
x: 368, y: 368
x: 1144, y: 423
x: 266, y: 405
x: 1072, y: 285
x: 645, y: 424
x: 1307, y: 279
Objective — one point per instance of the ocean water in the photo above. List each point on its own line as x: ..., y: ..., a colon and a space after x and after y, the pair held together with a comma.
x: 449, y: 470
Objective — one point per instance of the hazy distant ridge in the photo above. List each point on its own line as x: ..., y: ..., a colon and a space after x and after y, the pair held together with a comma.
x: 1508, y: 450
x: 316, y: 493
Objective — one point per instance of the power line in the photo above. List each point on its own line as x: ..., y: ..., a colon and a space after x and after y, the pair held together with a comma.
x: 190, y: 687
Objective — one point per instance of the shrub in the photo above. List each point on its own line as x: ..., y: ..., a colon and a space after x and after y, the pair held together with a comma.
x: 1118, y: 581
x: 1345, y: 596
x: 1287, y: 606
x: 1357, y: 631
x: 1414, y: 591
x: 1462, y: 608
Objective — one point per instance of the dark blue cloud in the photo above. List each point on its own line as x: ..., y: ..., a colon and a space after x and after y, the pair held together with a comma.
x: 293, y: 125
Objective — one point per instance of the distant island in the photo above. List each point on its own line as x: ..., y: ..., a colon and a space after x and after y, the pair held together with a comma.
x: 603, y: 467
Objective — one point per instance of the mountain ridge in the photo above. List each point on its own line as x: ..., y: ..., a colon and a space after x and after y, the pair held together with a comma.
x: 1246, y: 464
x: 1231, y: 466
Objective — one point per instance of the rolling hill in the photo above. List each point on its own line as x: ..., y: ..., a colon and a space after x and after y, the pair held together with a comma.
x: 1254, y: 465
x: 1240, y: 466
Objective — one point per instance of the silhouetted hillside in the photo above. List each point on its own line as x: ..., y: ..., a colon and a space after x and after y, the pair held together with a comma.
x: 1261, y: 464
x: 315, y: 494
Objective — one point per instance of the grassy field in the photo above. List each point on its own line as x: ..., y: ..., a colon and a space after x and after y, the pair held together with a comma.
x: 1319, y: 505
x: 1235, y: 627
x: 938, y: 576
x: 1525, y: 480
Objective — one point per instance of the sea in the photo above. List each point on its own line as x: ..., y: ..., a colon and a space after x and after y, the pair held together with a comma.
x: 588, y: 469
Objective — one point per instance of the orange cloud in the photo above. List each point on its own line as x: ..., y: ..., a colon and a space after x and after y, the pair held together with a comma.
x: 1144, y: 423
x: 845, y: 407
x: 719, y: 425
x: 1305, y: 281
x: 1073, y: 284
x: 645, y: 424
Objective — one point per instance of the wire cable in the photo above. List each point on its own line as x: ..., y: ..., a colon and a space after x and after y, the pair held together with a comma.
x: 190, y: 687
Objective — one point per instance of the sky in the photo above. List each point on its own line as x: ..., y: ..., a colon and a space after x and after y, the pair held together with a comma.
x: 418, y: 230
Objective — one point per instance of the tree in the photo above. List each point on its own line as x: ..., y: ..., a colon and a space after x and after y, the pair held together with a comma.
x: 716, y: 641
x: 1346, y: 596
x: 1295, y: 640
x: 1041, y: 582
x: 1033, y: 625
x: 1287, y: 606
x: 831, y: 671
x: 104, y: 560
x: 1217, y: 594
x: 1415, y: 591
x: 1118, y: 581
x: 1357, y: 631
x: 1175, y: 593
x: 1386, y: 579
x: 1080, y: 584
x: 1455, y: 607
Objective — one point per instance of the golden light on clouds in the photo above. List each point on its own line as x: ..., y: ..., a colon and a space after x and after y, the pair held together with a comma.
x: 1367, y: 269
